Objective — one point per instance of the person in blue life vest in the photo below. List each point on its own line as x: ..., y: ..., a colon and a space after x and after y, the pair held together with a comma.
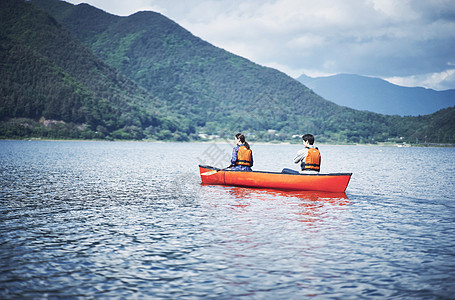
x: 242, y: 156
x: 309, y: 157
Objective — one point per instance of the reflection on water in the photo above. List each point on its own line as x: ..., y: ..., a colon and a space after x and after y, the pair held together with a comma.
x: 239, y: 192
x: 132, y: 220
x: 309, y: 203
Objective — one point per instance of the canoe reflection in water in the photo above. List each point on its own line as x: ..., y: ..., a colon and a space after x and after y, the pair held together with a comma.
x: 267, y: 194
x: 310, y: 207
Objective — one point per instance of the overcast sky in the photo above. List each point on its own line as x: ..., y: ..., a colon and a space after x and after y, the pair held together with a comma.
x: 408, y: 42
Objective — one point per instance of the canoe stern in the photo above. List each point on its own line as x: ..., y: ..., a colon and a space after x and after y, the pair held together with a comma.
x: 211, y: 175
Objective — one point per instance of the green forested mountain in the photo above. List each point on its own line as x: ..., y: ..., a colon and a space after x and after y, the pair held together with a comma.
x: 215, y: 89
x: 197, y: 87
x: 47, y: 74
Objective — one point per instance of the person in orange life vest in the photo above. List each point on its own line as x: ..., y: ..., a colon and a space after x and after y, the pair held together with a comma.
x: 309, y: 157
x: 242, y: 156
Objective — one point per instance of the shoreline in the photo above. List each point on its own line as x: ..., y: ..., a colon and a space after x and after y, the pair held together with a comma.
x: 222, y: 141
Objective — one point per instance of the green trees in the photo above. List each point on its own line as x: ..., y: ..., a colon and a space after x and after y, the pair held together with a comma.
x: 48, y: 74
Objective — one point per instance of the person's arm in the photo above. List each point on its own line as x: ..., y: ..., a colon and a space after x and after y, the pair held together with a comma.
x: 234, y: 155
x: 301, y: 155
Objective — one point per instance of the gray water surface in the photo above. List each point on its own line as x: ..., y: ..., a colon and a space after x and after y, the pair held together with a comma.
x: 132, y: 220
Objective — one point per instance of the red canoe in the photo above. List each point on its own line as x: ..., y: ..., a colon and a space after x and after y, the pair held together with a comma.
x: 334, y: 182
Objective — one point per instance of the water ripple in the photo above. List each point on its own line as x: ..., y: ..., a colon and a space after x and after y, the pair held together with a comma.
x: 131, y: 220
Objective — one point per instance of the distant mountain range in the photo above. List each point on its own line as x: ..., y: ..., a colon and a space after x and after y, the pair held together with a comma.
x: 377, y: 95
x: 74, y: 71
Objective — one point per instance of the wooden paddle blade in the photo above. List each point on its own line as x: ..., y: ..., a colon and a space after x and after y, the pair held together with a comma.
x: 209, y: 172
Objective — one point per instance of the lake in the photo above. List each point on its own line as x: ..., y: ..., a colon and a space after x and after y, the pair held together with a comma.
x: 132, y: 220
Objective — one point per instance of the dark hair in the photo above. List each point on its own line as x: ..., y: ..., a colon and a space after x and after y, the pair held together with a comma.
x: 241, y: 137
x: 309, y: 138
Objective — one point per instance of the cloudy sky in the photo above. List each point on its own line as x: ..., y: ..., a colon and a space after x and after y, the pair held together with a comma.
x: 407, y: 42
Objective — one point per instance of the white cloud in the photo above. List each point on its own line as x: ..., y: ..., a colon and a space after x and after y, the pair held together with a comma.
x: 437, y: 81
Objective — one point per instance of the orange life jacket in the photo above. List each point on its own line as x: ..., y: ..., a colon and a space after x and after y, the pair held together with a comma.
x: 312, y: 160
x: 244, y: 156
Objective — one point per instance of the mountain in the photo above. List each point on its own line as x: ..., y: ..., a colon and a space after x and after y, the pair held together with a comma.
x: 219, y: 92
x: 144, y: 76
x: 47, y: 74
x: 377, y: 95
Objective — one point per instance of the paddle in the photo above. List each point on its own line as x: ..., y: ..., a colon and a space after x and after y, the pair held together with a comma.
x: 214, y: 171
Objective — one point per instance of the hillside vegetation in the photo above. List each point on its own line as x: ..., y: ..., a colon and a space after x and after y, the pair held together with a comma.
x: 53, y: 86
x: 159, y: 81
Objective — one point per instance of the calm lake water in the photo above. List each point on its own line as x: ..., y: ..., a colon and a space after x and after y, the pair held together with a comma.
x: 131, y: 220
